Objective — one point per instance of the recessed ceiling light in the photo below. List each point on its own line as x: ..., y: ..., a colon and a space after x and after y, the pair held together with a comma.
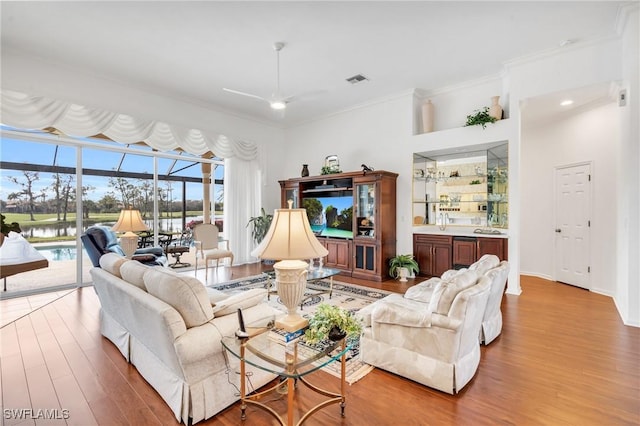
x: 566, y: 102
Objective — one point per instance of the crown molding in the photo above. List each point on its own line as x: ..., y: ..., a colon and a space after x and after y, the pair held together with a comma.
x: 426, y: 93
x: 545, y: 54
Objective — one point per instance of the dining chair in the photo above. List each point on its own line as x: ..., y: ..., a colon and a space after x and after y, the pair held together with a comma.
x: 207, y: 242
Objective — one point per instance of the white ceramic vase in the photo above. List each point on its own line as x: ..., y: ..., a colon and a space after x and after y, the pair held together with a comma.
x: 427, y: 117
x: 403, y: 273
x: 495, y: 110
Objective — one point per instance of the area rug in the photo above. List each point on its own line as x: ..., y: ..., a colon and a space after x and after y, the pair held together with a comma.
x: 348, y: 296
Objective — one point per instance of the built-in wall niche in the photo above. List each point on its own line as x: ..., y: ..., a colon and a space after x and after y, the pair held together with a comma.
x: 465, y: 186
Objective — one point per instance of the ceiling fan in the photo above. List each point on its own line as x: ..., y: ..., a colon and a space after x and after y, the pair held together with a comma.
x: 277, y: 100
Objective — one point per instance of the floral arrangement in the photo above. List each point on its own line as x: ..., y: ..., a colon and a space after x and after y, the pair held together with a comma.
x: 193, y: 223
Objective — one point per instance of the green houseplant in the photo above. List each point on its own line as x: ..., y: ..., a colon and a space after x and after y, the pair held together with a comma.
x: 400, y: 261
x: 481, y: 117
x: 260, y: 225
x: 331, y: 322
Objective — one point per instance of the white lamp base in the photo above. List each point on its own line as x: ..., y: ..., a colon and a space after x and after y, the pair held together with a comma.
x: 129, y: 244
x: 291, y: 282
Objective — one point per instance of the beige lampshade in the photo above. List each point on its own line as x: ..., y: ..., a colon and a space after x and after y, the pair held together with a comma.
x: 290, y: 237
x: 129, y: 221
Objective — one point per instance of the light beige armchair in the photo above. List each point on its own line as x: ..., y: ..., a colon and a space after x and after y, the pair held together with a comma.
x: 492, y: 320
x: 207, y: 243
x: 434, y: 343
x: 488, y: 265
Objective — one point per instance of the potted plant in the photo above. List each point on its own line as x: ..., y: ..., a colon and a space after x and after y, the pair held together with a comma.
x: 260, y: 225
x: 7, y: 227
x: 333, y: 323
x: 480, y: 117
x: 401, y: 265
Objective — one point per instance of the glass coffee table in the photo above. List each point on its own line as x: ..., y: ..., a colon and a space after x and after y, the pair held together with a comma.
x: 313, y: 275
x: 292, y: 362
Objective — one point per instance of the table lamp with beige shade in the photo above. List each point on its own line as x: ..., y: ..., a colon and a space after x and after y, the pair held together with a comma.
x: 290, y: 240
x: 129, y: 222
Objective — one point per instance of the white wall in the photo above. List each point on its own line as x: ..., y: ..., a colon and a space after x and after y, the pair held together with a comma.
x: 378, y: 135
x: 34, y: 76
x: 628, y: 231
x: 589, y: 136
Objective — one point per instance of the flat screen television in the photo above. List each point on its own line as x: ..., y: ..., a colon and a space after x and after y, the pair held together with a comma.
x: 330, y: 216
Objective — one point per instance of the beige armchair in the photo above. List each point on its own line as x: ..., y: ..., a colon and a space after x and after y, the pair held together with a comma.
x: 207, y: 244
x: 492, y: 320
x: 434, y: 343
x: 487, y: 265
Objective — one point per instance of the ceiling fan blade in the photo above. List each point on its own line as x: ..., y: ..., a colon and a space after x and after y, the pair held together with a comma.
x: 237, y: 92
x: 305, y: 96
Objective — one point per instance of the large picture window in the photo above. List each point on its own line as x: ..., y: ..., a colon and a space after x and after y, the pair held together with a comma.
x: 53, y: 204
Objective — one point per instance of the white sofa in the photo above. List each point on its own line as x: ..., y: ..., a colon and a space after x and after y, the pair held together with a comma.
x: 165, y: 325
x: 434, y: 343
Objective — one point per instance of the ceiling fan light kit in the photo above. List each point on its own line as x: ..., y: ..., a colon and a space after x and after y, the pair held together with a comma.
x: 278, y: 105
x: 277, y: 101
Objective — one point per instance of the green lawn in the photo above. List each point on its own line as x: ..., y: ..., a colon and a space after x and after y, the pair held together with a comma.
x: 49, y: 218
x: 44, y: 219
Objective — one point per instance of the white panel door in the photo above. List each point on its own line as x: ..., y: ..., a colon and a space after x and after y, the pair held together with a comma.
x: 573, y: 210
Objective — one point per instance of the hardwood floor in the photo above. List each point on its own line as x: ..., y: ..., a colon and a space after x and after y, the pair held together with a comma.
x: 564, y: 357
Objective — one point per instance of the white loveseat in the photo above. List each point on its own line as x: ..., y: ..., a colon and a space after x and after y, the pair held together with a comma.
x: 165, y: 325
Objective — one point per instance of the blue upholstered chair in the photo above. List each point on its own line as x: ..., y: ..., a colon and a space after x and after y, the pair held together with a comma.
x: 99, y: 240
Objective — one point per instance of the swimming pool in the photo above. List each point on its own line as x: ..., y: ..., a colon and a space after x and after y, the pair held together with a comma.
x: 58, y: 253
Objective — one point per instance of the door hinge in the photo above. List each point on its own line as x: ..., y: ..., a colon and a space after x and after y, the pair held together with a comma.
x: 589, y: 223
x: 589, y: 269
x: 589, y: 178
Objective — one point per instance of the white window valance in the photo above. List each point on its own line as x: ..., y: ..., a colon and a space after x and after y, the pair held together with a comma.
x: 36, y: 112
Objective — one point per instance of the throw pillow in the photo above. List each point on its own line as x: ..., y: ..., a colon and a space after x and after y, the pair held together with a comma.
x: 143, y: 257
x: 111, y: 263
x: 133, y: 273
x: 243, y: 300
x: 186, y: 294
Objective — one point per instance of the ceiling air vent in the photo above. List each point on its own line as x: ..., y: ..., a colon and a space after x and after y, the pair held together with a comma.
x: 358, y: 78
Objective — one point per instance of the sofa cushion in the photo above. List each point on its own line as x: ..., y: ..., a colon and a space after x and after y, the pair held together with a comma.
x: 243, y: 300
x: 422, y: 292
x: 111, y: 263
x: 186, y: 294
x: 446, y: 291
x: 133, y: 272
x: 452, y: 273
x: 486, y: 262
x: 215, y: 296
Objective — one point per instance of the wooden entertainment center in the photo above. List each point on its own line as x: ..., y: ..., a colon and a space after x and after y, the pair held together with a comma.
x: 353, y: 215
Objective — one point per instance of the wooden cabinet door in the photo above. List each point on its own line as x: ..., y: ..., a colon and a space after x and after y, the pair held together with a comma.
x: 365, y: 260
x: 464, y: 252
x: 433, y: 253
x: 339, y: 253
x: 495, y: 246
x: 441, y: 259
x: 422, y: 253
